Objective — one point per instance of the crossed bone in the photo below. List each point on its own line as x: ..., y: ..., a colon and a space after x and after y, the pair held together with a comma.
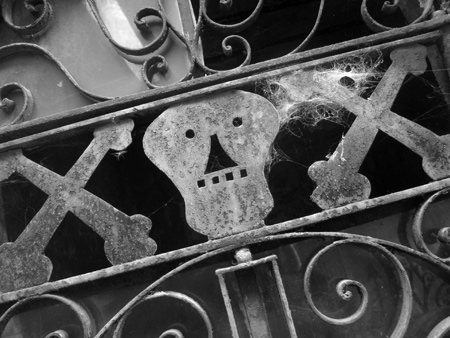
x: 338, y: 180
x: 22, y: 263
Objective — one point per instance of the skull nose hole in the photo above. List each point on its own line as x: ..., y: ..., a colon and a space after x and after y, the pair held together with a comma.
x: 218, y: 158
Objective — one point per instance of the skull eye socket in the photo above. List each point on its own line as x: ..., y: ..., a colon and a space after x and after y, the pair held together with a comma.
x: 190, y: 133
x: 237, y: 121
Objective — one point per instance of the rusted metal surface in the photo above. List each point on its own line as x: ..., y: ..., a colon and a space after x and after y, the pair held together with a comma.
x: 231, y: 207
x: 9, y: 106
x: 433, y: 149
x: 338, y: 181
x: 23, y: 263
x: 226, y: 201
x: 43, y: 16
x: 385, y: 248
x: 256, y: 315
x: 233, y: 241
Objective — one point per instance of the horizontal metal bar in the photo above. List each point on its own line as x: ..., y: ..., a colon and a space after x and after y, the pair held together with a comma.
x: 113, y: 106
x: 246, y: 265
x: 153, y: 108
x: 234, y: 240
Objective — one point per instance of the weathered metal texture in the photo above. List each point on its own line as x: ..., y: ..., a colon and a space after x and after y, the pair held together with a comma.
x: 443, y: 236
x: 83, y: 316
x: 386, y: 249
x: 231, y: 242
x: 42, y: 16
x: 149, y: 102
x: 434, y: 149
x: 343, y: 292
x: 390, y: 7
x: 338, y: 181
x: 174, y: 54
x: 8, y: 106
x: 227, y: 201
x: 256, y: 315
x: 23, y: 263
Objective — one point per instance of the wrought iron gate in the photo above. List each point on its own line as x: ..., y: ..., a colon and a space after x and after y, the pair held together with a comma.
x: 156, y: 182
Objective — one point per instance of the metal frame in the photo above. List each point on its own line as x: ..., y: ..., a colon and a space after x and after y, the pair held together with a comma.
x: 146, y: 106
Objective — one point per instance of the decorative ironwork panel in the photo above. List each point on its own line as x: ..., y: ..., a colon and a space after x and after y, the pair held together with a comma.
x: 279, y: 199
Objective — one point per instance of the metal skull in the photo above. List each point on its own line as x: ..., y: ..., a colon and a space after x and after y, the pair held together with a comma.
x: 229, y: 200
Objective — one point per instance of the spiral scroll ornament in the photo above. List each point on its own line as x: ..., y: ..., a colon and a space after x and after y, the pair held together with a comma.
x: 41, y: 10
x: 9, y: 106
x: 345, y: 294
x: 232, y: 39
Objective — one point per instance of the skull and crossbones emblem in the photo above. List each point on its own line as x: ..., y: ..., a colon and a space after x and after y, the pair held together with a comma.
x: 226, y: 201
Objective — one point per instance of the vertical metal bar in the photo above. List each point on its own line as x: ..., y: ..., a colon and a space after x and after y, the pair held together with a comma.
x: 252, y: 296
x: 227, y: 300
x: 252, y: 299
x: 284, y: 301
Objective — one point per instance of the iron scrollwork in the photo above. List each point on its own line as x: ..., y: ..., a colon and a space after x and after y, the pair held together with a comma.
x: 171, y: 332
x: 443, y: 235
x: 386, y: 249
x: 9, y: 106
x: 344, y: 293
x: 87, y: 324
x: 389, y: 7
x: 41, y: 10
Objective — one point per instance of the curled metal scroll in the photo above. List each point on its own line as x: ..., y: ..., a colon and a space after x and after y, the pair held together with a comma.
x: 81, y: 313
x: 228, y: 51
x: 390, y: 8
x: 235, y: 28
x: 16, y: 48
x: 443, y: 234
x: 238, y: 27
x: 170, y: 332
x: 158, y: 64
x: 43, y: 16
x: 306, y: 41
x: 141, y: 25
x: 381, y: 245
x: 8, y: 106
x: 407, y: 294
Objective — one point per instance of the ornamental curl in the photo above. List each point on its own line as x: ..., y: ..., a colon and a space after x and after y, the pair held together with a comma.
x: 443, y: 235
x: 81, y: 313
x: 42, y: 16
x: 345, y: 294
x: 390, y: 8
